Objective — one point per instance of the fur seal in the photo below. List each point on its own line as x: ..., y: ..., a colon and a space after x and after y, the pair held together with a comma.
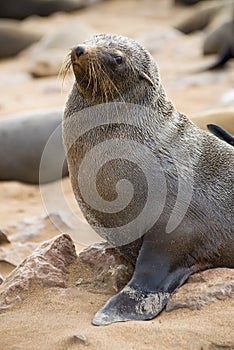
x: 199, y: 20
x: 220, y: 38
x: 220, y: 41
x: 186, y: 2
x: 14, y: 39
x: 221, y: 133
x: 21, y: 9
x: 126, y: 144
x: 223, y: 116
x: 217, y: 38
x: 23, y: 139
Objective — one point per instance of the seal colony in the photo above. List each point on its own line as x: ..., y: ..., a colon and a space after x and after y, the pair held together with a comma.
x: 219, y: 18
x: 11, y: 8
x: 185, y: 171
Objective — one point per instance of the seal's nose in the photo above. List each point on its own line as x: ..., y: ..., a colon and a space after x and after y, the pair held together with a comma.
x: 80, y: 50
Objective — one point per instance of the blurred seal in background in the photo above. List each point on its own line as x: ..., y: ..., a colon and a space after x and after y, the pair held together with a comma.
x: 23, y: 139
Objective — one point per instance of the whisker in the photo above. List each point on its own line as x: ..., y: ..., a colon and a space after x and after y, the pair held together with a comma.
x: 90, y: 74
x: 94, y: 80
x: 105, y: 86
x: 111, y: 84
x: 65, y: 68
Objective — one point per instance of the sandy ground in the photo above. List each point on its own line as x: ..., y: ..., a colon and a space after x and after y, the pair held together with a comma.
x: 48, y: 319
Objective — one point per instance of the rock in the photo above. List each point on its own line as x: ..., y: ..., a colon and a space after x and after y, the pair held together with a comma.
x: 6, y: 268
x: 16, y: 252
x: 60, y: 219
x: 1, y: 279
x: 108, y: 269
x: 102, y: 267
x: 3, y: 238
x: 202, y: 289
x: 78, y: 339
x: 21, y: 235
x: 48, y: 55
x: 45, y: 267
x: 37, y: 228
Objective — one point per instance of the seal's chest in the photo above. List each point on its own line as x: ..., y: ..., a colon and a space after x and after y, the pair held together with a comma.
x: 119, y: 184
x: 116, y: 171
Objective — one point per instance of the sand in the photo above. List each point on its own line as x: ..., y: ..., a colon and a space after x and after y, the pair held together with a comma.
x: 56, y: 318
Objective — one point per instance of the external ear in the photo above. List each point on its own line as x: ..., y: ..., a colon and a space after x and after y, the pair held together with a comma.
x: 221, y: 133
x: 146, y: 77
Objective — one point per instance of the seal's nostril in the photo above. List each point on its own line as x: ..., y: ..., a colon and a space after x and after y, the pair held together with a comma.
x: 80, y: 51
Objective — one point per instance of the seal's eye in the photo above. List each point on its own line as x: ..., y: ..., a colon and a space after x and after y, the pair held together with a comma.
x: 118, y: 59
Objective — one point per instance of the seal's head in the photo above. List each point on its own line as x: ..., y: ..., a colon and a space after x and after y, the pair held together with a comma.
x: 108, y: 66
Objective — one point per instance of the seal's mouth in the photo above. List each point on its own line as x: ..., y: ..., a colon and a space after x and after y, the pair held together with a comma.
x: 80, y: 58
x: 95, y: 72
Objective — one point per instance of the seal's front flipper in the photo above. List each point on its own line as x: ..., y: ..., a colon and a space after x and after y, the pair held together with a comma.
x: 131, y: 303
x: 155, y: 278
x: 221, y: 133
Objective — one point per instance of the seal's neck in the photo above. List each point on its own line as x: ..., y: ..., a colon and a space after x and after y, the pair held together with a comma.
x: 162, y: 104
x: 150, y: 97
